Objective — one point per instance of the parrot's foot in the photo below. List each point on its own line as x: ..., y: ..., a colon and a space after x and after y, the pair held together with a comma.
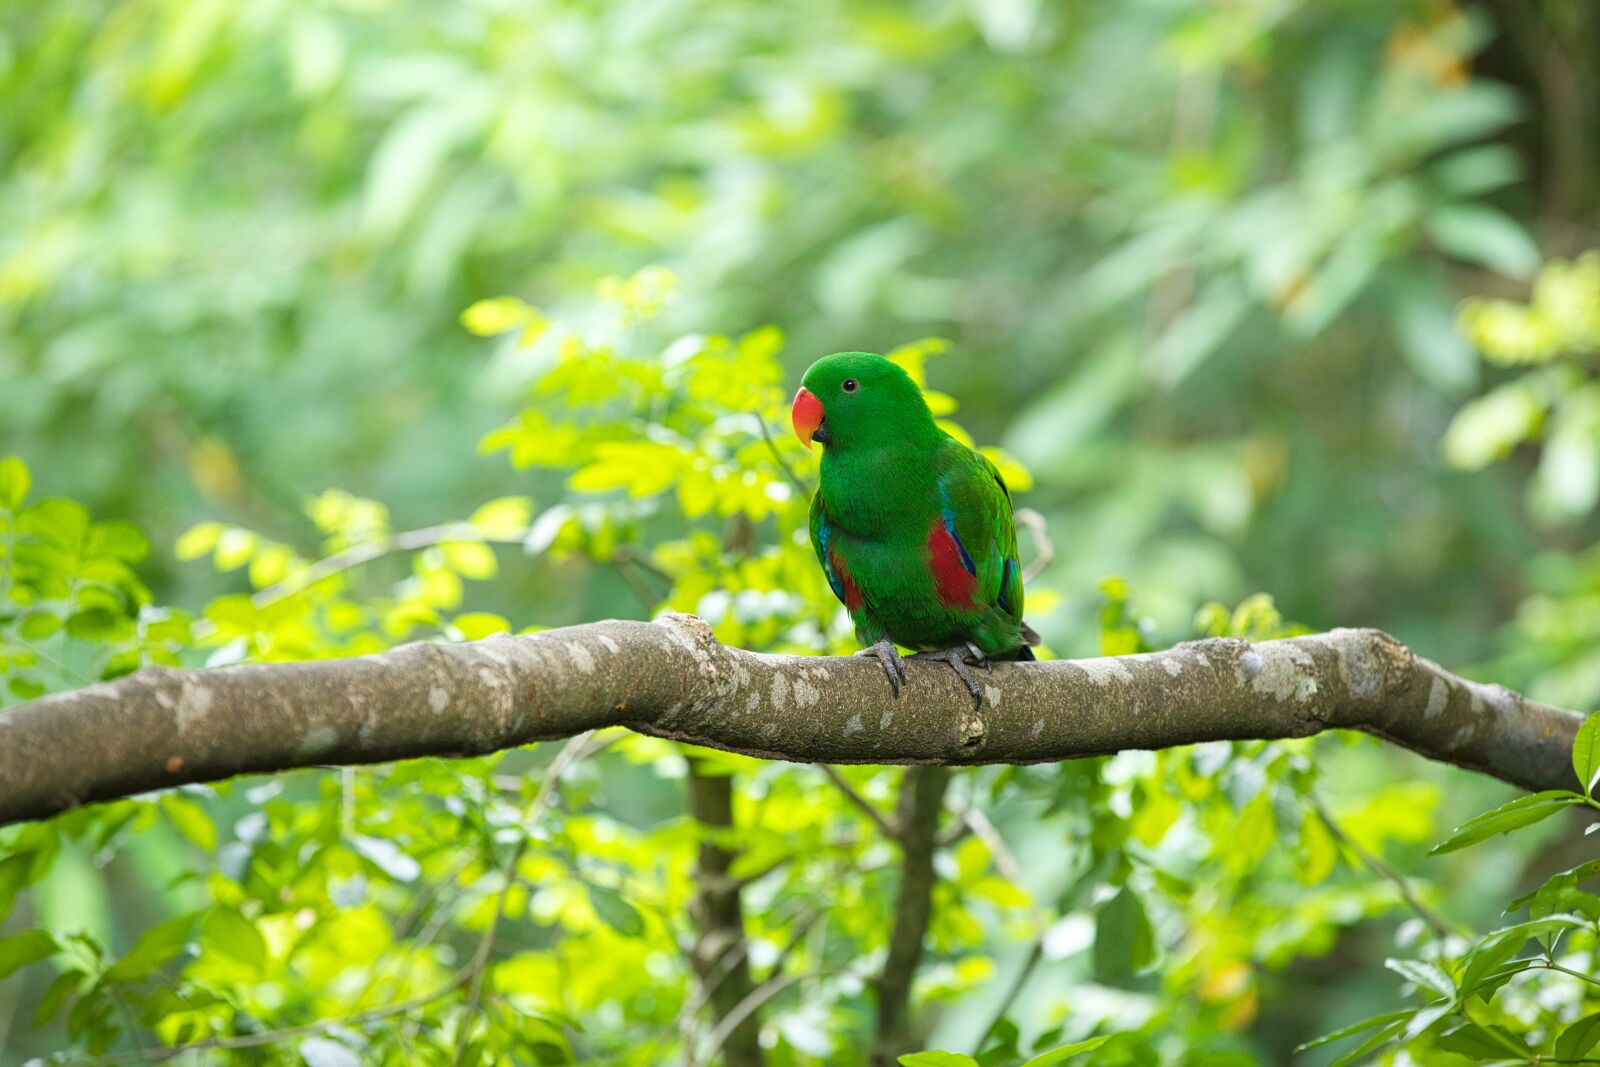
x: 893, y: 665
x: 959, y: 657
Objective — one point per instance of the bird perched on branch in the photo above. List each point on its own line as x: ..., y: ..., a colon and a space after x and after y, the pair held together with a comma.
x: 912, y: 527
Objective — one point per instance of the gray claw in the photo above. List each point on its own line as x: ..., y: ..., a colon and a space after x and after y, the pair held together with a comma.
x: 958, y: 658
x: 893, y: 665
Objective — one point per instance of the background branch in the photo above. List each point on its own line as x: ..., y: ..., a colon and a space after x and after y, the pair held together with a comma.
x: 885, y: 826
x: 921, y: 801
x: 163, y: 727
x: 720, y: 954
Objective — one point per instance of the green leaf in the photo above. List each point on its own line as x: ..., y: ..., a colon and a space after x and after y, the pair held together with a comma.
x: 1576, y: 1040
x: 476, y: 625
x: 1487, y: 973
x: 507, y: 514
x: 1066, y: 1052
x: 1524, y: 811
x: 1586, y: 753
x: 55, y: 995
x: 1386, y: 1019
x: 1488, y: 427
x: 1124, y: 943
x: 120, y: 539
x: 388, y: 856
x: 938, y: 1059
x: 38, y: 624
x: 1425, y: 1019
x: 30, y: 946
x: 1371, y: 1044
x: 1491, y: 957
x: 190, y: 819
x: 616, y: 912
x: 1477, y: 170
x: 1565, y: 879
x: 1423, y: 974
x: 1484, y: 236
x: 1482, y: 1042
x: 14, y: 482
x: 198, y: 540
x: 226, y: 931
x: 496, y: 315
x: 155, y: 947
x: 91, y: 625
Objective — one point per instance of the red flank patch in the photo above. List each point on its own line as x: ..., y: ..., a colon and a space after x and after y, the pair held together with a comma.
x: 852, y: 593
x: 955, y: 585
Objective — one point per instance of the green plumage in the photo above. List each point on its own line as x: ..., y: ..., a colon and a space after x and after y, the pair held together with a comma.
x: 914, y: 528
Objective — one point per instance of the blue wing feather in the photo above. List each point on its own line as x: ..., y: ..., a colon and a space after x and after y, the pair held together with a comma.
x: 948, y: 513
x: 824, y: 531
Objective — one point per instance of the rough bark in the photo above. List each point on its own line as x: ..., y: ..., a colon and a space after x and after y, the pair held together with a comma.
x: 720, y: 954
x: 162, y: 727
x: 921, y: 801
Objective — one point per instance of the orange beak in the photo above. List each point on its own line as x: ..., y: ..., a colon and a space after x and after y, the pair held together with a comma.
x: 806, y: 415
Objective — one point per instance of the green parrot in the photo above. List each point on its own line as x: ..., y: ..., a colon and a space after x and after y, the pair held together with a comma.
x: 913, y: 528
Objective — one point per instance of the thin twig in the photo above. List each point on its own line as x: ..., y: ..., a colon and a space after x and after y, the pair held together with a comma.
x: 1035, y: 954
x: 479, y: 967
x: 758, y: 996
x: 1440, y: 926
x: 1044, y: 550
x: 957, y: 830
x: 884, y: 822
x: 783, y: 464
x: 1005, y: 861
x: 631, y: 554
x: 271, y: 1037
x: 704, y: 991
x: 1552, y: 965
x: 641, y: 592
x: 570, y: 753
x: 367, y: 551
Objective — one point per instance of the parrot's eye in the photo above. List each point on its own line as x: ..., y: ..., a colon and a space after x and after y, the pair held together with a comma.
x: 850, y: 385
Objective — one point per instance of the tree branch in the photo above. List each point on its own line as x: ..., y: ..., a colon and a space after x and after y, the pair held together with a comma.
x: 720, y: 956
x: 163, y: 727
x: 921, y: 802
x: 885, y: 826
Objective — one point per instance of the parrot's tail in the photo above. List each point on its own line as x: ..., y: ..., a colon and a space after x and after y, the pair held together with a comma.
x: 1025, y: 655
x: 1031, y: 636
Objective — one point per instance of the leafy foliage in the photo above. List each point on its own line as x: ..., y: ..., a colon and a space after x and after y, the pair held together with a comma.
x: 378, y: 900
x: 72, y: 609
x: 1487, y: 999
x: 1198, y: 264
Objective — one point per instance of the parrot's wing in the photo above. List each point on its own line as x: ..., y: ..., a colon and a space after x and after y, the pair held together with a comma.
x: 838, y: 580
x: 976, y: 511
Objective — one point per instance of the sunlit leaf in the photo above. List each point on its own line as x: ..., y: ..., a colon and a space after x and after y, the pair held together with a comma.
x: 1586, y: 753
x: 30, y: 946
x: 1063, y: 1053
x: 1524, y: 811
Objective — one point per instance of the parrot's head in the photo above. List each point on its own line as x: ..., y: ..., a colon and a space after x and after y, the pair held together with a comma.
x: 859, y: 400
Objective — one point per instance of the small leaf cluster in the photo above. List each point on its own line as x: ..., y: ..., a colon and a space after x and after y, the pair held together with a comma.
x: 1526, y: 993
x: 1556, y: 403
x: 72, y: 608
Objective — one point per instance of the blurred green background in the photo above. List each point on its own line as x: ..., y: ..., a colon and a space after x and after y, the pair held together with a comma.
x: 1198, y: 262
x: 1201, y: 267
